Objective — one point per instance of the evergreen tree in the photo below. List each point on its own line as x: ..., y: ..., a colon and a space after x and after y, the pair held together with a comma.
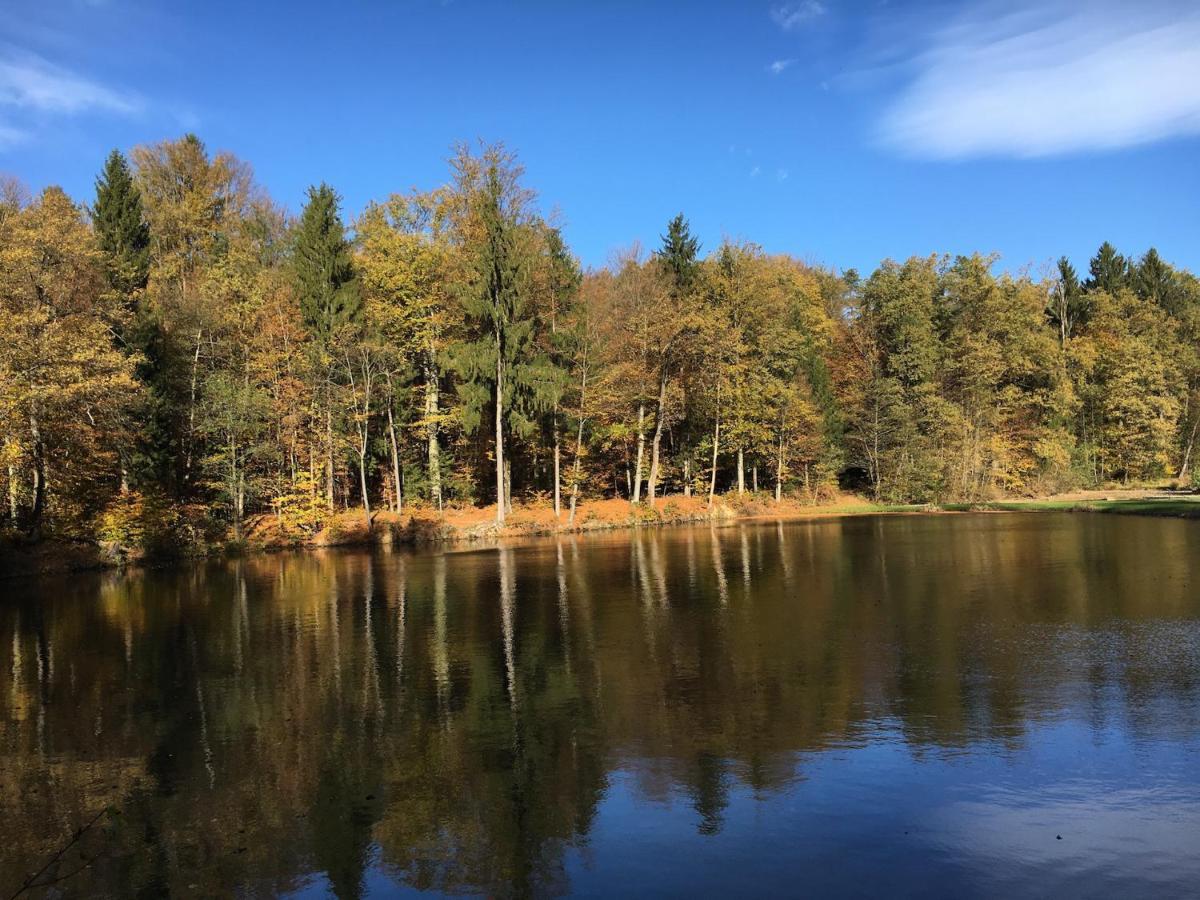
x: 678, y: 254
x: 323, y: 267
x: 1109, y: 270
x: 500, y: 365
x: 1153, y: 280
x: 1068, y: 305
x: 120, y: 226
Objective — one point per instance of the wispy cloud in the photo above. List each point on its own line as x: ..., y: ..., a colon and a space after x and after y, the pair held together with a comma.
x: 756, y: 171
x: 1045, y: 79
x: 779, y: 66
x: 10, y: 137
x: 29, y: 82
x: 32, y: 90
x: 781, y: 175
x: 789, y: 16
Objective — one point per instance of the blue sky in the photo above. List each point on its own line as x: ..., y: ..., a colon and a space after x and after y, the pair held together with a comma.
x: 841, y: 132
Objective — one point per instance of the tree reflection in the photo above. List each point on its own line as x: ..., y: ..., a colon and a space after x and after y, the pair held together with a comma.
x: 453, y: 720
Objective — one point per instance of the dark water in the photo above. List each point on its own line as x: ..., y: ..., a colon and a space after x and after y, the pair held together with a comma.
x: 957, y: 705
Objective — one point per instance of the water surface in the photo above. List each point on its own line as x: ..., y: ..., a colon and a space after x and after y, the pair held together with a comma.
x: 929, y: 705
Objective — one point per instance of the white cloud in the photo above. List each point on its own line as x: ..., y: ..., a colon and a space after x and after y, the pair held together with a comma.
x: 10, y: 137
x: 28, y: 82
x: 792, y: 15
x: 1048, y: 79
x: 779, y: 66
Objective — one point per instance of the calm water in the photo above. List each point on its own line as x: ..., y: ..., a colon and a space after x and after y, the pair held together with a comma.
x: 980, y: 705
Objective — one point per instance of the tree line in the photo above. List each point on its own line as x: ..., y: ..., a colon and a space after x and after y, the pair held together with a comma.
x: 181, y: 354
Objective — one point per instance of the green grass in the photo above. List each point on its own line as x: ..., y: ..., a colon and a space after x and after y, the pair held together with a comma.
x: 1170, y: 508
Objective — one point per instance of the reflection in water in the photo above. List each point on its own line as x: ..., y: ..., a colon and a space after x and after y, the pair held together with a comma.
x: 940, y: 699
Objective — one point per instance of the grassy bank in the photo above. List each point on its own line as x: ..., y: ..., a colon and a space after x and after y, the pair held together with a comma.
x: 423, y: 526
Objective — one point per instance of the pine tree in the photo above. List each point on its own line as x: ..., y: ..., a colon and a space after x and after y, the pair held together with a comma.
x: 1109, y: 270
x: 120, y: 226
x: 323, y: 267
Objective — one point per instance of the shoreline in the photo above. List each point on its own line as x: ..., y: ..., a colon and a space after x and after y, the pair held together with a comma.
x: 476, y: 525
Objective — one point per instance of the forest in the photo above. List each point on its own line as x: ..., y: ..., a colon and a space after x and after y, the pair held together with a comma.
x: 179, y: 355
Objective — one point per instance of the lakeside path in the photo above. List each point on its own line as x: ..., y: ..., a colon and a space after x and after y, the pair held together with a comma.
x: 476, y: 525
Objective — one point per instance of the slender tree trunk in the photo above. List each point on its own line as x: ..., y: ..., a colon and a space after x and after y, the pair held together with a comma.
x: 712, y: 483
x: 636, y: 494
x: 191, y: 435
x: 557, y: 467
x: 500, y: 492
x: 362, y: 482
x: 687, y: 476
x: 233, y: 488
x: 578, y: 445
x: 39, y: 475
x: 754, y: 477
x: 655, y: 448
x: 329, y: 479
x: 13, y: 508
x: 779, y: 472
x: 433, y: 452
x: 1187, y: 453
x: 741, y: 471
x: 396, y: 482
x: 507, y: 485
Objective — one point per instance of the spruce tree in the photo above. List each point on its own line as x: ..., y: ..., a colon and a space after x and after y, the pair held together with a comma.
x: 1154, y: 280
x: 323, y: 267
x: 1068, y: 305
x: 678, y: 253
x: 500, y: 363
x: 329, y: 296
x: 1109, y: 270
x: 120, y: 226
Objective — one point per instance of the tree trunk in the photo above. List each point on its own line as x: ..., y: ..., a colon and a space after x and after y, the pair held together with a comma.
x: 39, y: 476
x: 508, y: 485
x: 779, y: 472
x: 578, y: 446
x: 431, y: 430
x: 191, y: 435
x: 741, y: 471
x: 329, y: 498
x: 500, y: 493
x: 13, y: 509
x: 557, y: 468
x: 636, y: 494
x: 754, y: 477
x: 396, y: 481
x: 233, y: 488
x: 362, y: 482
x: 687, y: 476
x: 1187, y: 454
x: 712, y: 484
x: 658, y: 431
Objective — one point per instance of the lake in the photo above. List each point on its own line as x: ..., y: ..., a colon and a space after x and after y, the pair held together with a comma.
x: 965, y: 705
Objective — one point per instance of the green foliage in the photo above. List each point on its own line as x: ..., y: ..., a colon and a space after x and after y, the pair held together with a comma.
x: 121, y: 228
x: 678, y: 254
x: 323, y: 267
x: 190, y: 358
